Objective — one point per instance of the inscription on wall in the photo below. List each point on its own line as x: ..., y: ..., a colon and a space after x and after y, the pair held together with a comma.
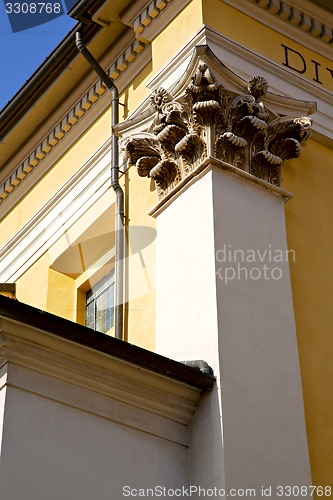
x: 310, y: 68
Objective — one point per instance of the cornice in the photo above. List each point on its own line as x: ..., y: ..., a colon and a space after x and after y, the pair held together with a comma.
x: 121, y: 70
x: 55, y: 155
x: 315, y: 9
x: 132, y: 11
x: 298, y: 19
x: 150, y: 21
x: 98, y: 342
x: 302, y: 17
x: 64, y: 371
x: 246, y: 62
x: 177, y: 73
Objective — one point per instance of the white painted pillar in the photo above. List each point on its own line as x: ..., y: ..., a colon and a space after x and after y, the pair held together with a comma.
x: 244, y: 328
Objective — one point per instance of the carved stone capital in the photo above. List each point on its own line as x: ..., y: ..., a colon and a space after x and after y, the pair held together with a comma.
x: 211, y: 121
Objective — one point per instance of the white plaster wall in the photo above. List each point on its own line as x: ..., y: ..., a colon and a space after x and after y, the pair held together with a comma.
x: 186, y: 313
x: 206, y: 450
x: 186, y: 320
x: 54, y: 451
x: 262, y: 404
x: 255, y: 434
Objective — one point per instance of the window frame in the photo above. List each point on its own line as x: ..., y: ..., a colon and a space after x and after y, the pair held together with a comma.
x: 94, y: 293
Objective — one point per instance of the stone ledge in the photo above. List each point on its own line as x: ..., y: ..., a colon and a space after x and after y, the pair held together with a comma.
x: 205, y: 165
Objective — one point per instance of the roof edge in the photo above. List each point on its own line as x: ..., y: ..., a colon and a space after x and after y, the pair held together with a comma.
x: 73, y: 332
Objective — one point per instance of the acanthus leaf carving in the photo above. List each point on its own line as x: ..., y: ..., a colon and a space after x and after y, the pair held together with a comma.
x: 191, y: 149
x: 209, y: 121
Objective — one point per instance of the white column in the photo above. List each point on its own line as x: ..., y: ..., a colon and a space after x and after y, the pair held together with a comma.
x: 241, y: 321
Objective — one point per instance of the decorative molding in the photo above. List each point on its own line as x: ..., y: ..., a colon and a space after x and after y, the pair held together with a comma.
x: 303, y: 25
x: 55, y: 155
x: 148, y: 15
x: 209, y: 120
x: 147, y: 27
x: 148, y: 21
x: 66, y: 372
x: 67, y: 123
x: 213, y: 48
x: 297, y: 14
x: 298, y: 17
x: 201, y: 170
x: 246, y: 62
x: 74, y: 198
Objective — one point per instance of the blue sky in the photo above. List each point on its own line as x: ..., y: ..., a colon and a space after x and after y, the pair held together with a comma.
x: 21, y: 53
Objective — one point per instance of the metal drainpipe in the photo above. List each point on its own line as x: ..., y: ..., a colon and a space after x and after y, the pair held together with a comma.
x: 114, y: 183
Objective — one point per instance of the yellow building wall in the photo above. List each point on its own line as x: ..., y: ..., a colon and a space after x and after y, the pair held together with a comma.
x: 56, y: 177
x: 45, y: 288
x: 61, y: 295
x: 135, y: 93
x: 140, y: 196
x: 32, y: 286
x: 176, y: 34
x: 309, y: 232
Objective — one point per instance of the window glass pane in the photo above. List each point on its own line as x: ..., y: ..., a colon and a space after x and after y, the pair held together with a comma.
x: 100, y: 305
x: 90, y: 315
x: 100, y: 313
x: 112, y: 306
x: 109, y: 312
